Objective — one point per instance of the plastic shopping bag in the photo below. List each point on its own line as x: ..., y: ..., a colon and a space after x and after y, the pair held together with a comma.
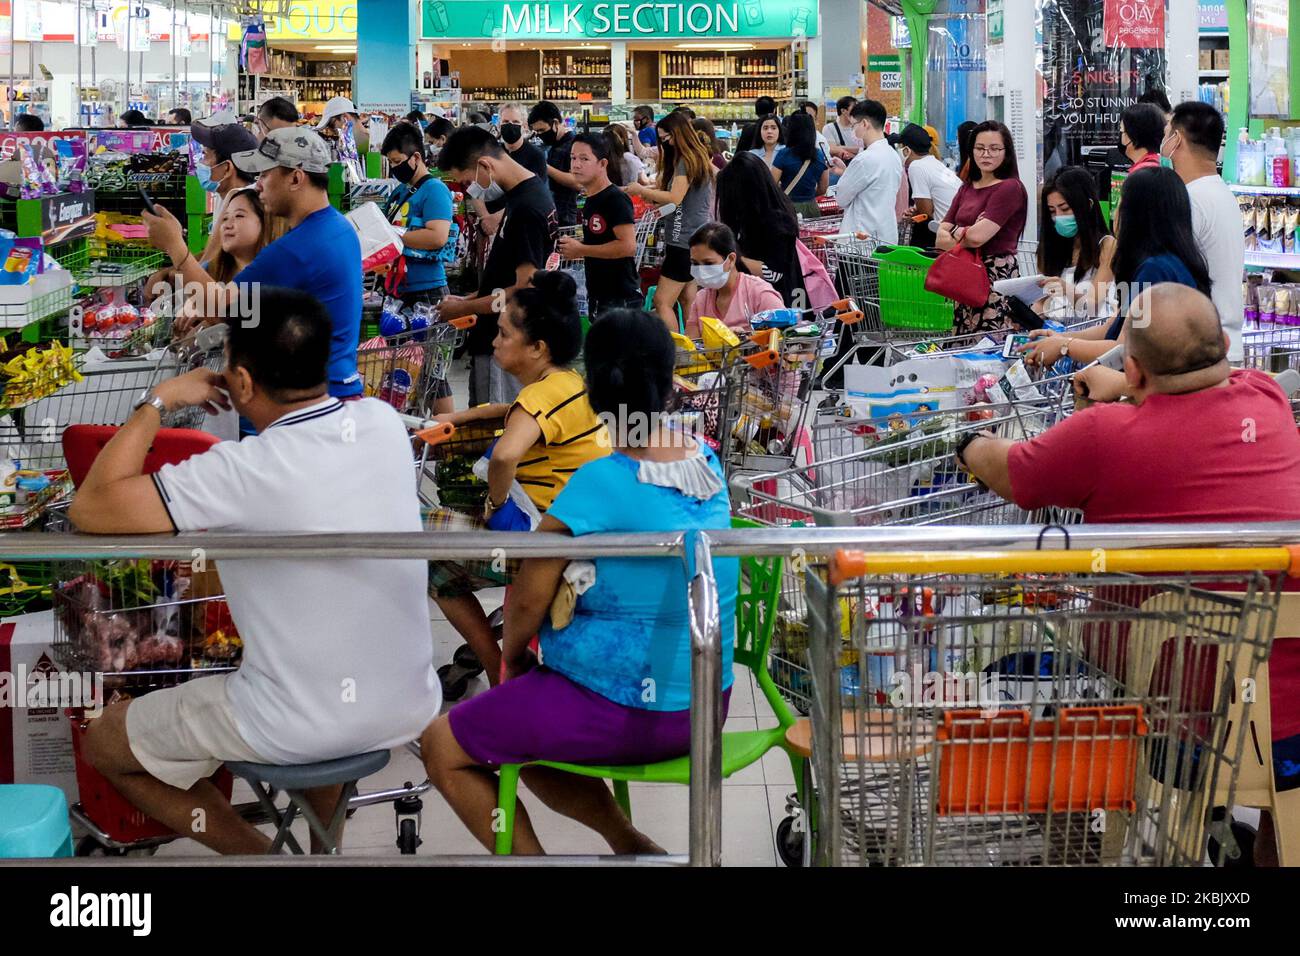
x: 380, y: 241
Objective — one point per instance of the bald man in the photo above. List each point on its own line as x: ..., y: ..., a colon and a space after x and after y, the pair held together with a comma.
x: 1192, y: 439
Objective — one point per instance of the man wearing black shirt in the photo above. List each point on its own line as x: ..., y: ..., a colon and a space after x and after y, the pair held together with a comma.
x: 515, y: 137
x: 548, y: 124
x: 608, y: 243
x: 524, y: 241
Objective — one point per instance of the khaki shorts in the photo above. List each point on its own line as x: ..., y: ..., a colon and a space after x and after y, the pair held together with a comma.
x: 183, y: 734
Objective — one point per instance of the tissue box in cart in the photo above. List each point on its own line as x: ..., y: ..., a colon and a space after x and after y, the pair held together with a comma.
x: 36, y: 741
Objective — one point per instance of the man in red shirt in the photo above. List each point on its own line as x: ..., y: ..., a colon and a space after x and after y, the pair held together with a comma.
x: 1195, y: 441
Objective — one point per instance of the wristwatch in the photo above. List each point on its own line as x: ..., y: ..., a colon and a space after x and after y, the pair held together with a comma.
x: 148, y: 397
x: 1065, y: 349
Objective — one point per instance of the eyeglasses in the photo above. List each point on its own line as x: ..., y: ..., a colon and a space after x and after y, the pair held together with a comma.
x: 989, y: 150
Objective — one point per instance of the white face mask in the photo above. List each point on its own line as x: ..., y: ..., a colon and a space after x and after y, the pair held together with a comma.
x: 487, y: 193
x: 713, y: 276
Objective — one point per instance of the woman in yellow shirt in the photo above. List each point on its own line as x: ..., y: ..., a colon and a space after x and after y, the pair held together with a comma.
x: 550, y: 432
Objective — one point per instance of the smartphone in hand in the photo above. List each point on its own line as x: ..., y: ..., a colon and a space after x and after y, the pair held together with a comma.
x: 148, y: 202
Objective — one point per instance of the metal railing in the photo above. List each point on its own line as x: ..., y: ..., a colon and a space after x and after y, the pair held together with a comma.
x: 695, y: 549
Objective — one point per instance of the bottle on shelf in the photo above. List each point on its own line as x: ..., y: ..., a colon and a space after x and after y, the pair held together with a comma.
x: 1277, y: 159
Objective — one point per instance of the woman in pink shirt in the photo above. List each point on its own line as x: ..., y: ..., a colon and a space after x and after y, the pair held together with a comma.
x: 726, y: 292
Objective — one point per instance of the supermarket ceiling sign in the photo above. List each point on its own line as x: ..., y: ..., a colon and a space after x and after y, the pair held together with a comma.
x: 606, y: 20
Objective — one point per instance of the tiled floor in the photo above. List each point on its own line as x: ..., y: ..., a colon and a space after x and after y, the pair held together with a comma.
x: 753, y: 800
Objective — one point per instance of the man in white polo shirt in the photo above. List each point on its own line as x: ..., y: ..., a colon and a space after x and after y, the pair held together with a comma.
x: 338, y: 654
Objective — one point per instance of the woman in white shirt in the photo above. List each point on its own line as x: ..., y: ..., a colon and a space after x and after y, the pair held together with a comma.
x: 932, y: 183
x: 772, y: 138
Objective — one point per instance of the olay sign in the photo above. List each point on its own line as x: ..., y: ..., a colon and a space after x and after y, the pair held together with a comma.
x: 1136, y: 24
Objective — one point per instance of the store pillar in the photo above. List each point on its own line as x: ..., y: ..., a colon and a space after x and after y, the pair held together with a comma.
x: 387, y: 31
x: 843, y: 23
x: 1182, y: 53
x: 1021, y: 91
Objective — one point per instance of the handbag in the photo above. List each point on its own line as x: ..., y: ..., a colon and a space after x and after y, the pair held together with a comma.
x: 959, y: 274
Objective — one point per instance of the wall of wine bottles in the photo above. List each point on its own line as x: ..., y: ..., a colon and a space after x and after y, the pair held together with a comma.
x: 725, y: 76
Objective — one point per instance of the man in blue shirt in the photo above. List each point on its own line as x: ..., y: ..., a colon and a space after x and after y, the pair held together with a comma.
x: 320, y: 253
x: 430, y: 238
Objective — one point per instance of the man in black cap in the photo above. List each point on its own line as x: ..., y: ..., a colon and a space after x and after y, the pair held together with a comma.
x: 933, y: 185
x: 221, y: 137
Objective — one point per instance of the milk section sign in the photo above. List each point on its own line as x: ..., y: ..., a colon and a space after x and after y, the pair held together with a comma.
x: 601, y: 19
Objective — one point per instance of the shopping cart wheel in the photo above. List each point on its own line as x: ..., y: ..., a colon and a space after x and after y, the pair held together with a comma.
x: 408, y: 837
x: 789, y: 842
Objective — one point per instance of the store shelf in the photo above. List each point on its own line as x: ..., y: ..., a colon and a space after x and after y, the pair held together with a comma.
x: 1213, y: 74
x: 1214, y: 33
x: 1264, y: 190
x: 577, y: 76
x: 1272, y: 260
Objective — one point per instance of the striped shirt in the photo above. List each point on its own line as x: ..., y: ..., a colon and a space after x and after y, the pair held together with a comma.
x: 572, y: 435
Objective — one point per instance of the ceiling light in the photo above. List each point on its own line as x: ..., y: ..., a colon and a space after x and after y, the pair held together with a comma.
x: 714, y: 46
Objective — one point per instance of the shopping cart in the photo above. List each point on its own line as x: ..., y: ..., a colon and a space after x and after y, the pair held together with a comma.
x: 1270, y: 347
x: 404, y: 370
x: 818, y: 235
x: 772, y: 383
x: 900, y: 316
x: 649, y: 244
x: 128, y: 628
x: 895, y: 470
x: 1031, y: 709
x: 205, y: 347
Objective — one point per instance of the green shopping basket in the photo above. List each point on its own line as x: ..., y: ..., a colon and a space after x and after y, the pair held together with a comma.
x: 904, y: 302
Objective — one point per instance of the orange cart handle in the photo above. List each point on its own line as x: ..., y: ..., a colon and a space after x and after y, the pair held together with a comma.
x: 437, y: 433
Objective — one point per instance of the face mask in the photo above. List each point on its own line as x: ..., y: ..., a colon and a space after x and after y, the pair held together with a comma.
x: 548, y: 137
x: 1167, y: 155
x: 204, y: 174
x: 710, y: 276
x: 1066, y: 226
x: 403, y: 172
x: 487, y: 193
x: 511, y: 133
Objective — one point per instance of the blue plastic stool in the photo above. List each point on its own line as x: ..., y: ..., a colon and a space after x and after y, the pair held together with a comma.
x: 33, y: 822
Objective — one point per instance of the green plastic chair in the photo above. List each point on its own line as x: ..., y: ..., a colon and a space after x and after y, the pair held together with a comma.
x: 756, y: 602
x: 650, y: 307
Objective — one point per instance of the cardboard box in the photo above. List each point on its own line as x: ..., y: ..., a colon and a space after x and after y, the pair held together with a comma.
x: 1220, y: 60
x: 35, y: 742
x: 1207, y: 60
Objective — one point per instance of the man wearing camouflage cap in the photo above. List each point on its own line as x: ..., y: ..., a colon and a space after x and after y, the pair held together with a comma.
x: 320, y: 254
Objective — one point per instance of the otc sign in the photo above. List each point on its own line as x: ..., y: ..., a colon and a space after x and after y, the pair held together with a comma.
x: 616, y: 19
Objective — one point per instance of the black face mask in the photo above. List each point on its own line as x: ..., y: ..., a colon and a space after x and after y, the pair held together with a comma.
x: 403, y: 172
x: 511, y: 133
x: 547, y: 138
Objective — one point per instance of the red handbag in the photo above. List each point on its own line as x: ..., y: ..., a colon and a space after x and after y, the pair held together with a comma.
x: 959, y: 274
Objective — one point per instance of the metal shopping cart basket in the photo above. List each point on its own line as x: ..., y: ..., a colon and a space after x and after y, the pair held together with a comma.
x: 896, y: 470
x: 1029, y: 709
x: 818, y: 235
x: 127, y: 628
x: 1270, y: 347
x: 649, y: 238
x: 404, y: 370
x: 772, y: 385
